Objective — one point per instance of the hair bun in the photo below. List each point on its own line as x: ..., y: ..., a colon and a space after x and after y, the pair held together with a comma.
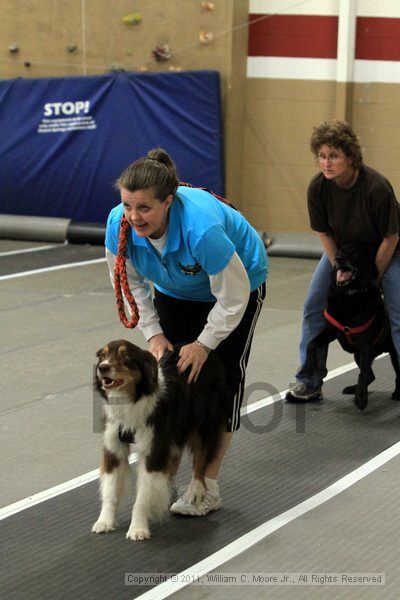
x: 142, y: 174
x: 161, y: 156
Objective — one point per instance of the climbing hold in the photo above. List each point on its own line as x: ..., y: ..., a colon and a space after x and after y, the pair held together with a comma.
x: 206, y: 37
x: 71, y: 49
x: 13, y: 48
x: 115, y: 68
x: 207, y: 5
x: 132, y: 19
x: 162, y: 53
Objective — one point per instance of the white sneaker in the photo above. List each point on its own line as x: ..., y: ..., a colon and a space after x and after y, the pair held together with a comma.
x: 210, y: 503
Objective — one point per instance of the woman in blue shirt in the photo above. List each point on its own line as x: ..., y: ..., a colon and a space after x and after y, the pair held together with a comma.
x: 208, y: 266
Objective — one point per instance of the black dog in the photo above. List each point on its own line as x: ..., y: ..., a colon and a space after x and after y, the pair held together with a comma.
x: 355, y: 316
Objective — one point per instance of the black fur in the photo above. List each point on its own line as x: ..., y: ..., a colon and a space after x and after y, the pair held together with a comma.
x: 183, y: 409
x: 353, y: 302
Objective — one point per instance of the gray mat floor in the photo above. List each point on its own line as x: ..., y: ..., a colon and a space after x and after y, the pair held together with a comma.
x: 52, y: 323
x: 282, y: 456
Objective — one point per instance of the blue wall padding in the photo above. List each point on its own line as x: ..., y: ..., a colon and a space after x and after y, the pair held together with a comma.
x: 64, y: 141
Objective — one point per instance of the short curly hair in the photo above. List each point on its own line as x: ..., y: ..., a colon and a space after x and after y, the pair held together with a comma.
x: 337, y: 134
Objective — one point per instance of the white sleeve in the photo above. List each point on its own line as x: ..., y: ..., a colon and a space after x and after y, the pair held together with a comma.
x: 149, y: 322
x: 231, y: 287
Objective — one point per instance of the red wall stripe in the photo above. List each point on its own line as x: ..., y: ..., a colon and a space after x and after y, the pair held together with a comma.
x: 305, y: 36
x: 378, y: 38
x: 293, y: 35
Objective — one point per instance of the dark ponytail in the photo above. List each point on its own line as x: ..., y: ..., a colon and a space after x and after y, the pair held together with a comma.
x: 157, y: 171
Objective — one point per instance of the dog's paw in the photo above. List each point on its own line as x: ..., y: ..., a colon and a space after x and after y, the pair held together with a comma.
x: 350, y: 389
x: 103, y: 526
x: 138, y: 534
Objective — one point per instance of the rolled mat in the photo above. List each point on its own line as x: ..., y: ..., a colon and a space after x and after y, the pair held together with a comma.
x: 295, y: 245
x: 86, y: 233
x: 44, y: 229
x: 52, y: 229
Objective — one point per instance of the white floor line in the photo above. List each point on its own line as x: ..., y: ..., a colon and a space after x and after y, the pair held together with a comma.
x: 25, y: 250
x: 62, y: 488
x: 280, y: 395
x: 55, y: 268
x: 258, y: 534
x: 52, y: 492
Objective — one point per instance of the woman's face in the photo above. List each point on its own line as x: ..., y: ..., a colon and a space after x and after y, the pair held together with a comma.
x: 334, y: 164
x: 146, y: 214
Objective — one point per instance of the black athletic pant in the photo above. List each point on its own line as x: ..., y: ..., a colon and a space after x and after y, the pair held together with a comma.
x: 182, y: 321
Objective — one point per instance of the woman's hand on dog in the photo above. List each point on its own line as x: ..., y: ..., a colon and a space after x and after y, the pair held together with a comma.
x: 158, y: 344
x: 193, y: 356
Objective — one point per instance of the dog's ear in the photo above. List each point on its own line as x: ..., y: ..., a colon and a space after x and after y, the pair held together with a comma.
x: 148, y: 382
x: 99, y: 352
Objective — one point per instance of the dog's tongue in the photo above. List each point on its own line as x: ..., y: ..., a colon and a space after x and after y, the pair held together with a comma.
x: 342, y: 275
x: 111, y: 383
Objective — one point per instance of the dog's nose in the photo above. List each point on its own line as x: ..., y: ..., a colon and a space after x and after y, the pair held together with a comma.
x: 103, y: 368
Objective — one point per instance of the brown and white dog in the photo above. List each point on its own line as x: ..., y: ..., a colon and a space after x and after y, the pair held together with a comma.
x: 154, y: 403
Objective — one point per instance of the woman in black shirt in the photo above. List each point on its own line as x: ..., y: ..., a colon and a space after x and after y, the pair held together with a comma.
x: 347, y: 202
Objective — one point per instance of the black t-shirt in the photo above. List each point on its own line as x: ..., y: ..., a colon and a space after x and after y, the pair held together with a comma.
x: 367, y: 212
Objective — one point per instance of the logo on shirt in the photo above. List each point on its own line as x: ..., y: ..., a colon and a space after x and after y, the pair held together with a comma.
x: 190, y: 269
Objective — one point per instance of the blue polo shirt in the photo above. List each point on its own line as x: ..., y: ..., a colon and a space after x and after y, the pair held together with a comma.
x: 203, y: 233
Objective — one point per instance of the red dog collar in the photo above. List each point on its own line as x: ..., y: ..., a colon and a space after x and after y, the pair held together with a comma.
x: 348, y: 331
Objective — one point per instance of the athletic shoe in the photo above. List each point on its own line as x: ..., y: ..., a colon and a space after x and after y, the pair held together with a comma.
x: 210, y: 503
x: 302, y: 392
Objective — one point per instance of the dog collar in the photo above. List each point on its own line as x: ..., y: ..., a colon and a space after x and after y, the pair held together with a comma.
x: 348, y: 331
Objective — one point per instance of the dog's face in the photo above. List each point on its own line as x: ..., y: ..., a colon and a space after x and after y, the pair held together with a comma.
x: 354, y: 266
x: 124, y: 367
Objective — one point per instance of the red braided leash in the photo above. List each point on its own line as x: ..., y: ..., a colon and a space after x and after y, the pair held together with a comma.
x: 220, y: 198
x: 121, y: 283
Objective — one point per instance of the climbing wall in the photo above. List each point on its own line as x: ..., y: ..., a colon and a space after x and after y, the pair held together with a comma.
x: 87, y: 37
